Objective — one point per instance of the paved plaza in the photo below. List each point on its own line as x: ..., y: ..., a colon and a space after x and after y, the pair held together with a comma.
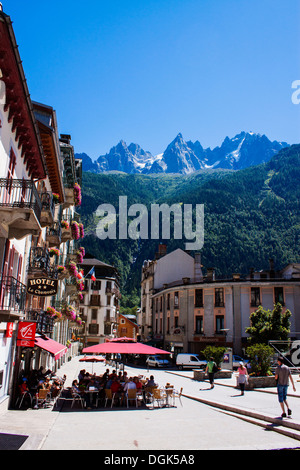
x: 213, y: 423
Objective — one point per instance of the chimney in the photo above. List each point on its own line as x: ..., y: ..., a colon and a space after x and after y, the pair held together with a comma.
x: 210, y: 274
x: 197, y: 268
x: 162, y: 251
x: 65, y: 138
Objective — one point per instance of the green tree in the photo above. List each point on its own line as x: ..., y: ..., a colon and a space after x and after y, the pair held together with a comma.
x: 260, y: 359
x: 267, y: 325
x: 216, y: 352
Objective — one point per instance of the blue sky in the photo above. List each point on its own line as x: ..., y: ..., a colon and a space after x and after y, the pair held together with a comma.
x: 142, y: 71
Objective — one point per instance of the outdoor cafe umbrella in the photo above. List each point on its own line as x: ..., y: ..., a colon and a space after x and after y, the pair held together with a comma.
x: 115, y: 347
x: 123, y: 338
x: 92, y: 359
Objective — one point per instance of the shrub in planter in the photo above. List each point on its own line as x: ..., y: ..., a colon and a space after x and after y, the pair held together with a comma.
x: 216, y: 352
x: 260, y: 359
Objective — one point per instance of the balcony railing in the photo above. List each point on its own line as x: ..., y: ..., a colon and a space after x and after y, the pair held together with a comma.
x: 12, y: 294
x: 48, y: 209
x: 53, y: 234
x: 17, y: 193
x: 45, y: 322
x: 39, y: 263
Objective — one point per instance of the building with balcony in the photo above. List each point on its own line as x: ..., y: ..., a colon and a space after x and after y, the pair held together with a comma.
x: 37, y: 193
x: 191, y: 313
x: 100, y: 301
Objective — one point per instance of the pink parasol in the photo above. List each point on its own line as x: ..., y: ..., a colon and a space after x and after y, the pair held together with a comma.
x: 123, y: 338
x: 114, y: 347
x: 92, y: 359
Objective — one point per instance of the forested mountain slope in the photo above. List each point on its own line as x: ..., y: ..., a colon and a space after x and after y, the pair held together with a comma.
x: 251, y: 215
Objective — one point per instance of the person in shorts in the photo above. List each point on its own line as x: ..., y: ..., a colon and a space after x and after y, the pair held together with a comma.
x: 282, y: 376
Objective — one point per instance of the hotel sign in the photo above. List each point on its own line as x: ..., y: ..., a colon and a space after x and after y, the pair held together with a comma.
x: 42, y: 286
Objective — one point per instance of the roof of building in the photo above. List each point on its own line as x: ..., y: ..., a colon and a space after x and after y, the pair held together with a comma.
x: 95, y: 262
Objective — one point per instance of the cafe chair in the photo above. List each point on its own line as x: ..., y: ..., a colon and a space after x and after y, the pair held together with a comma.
x: 42, y: 398
x: 178, y: 395
x: 149, y: 393
x: 76, y: 397
x: 131, y: 395
x: 170, y: 396
x: 158, y: 397
x: 22, y: 397
x: 109, y: 396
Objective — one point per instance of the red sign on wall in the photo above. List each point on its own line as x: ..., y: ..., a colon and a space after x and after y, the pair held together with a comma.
x: 9, y: 330
x: 26, y: 334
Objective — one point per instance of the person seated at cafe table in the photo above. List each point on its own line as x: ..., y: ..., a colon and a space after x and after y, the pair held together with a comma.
x: 150, y: 382
x: 117, y: 388
x: 138, y: 383
x: 129, y: 385
x: 81, y: 374
x: 81, y: 391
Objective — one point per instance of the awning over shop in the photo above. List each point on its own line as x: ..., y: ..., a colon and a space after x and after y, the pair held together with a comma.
x: 53, y: 347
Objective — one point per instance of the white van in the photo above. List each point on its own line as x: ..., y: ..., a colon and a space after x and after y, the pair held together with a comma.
x: 190, y: 361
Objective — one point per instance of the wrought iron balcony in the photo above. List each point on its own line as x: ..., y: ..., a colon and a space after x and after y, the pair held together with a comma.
x: 54, y: 234
x: 20, y: 207
x: 45, y: 322
x: 48, y: 209
x: 12, y: 295
x: 39, y: 261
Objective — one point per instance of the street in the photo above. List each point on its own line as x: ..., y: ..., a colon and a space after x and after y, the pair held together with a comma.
x: 190, y: 427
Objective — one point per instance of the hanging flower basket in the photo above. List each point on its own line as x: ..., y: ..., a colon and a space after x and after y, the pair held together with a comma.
x: 54, y: 252
x: 56, y: 198
x: 75, y: 230
x: 80, y: 296
x: 81, y: 230
x: 69, y: 312
x: 65, y: 224
x: 53, y: 313
x: 80, y: 285
x: 80, y: 255
x: 72, y: 268
x: 77, y: 194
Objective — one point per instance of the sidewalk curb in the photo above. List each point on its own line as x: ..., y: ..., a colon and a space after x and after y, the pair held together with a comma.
x: 252, y: 414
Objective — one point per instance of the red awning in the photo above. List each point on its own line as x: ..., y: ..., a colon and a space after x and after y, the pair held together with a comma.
x: 123, y: 348
x: 53, y: 347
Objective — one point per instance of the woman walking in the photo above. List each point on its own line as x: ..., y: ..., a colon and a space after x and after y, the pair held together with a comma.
x: 242, y: 377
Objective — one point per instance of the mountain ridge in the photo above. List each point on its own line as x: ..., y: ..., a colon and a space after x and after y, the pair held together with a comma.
x: 186, y: 157
x: 250, y: 215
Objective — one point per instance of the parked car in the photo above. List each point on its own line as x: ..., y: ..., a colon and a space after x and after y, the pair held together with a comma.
x: 157, y: 361
x: 191, y: 361
x: 236, y: 361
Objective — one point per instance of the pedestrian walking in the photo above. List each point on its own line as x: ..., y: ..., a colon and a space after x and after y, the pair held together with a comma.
x: 283, y: 376
x: 242, y: 377
x: 211, y: 368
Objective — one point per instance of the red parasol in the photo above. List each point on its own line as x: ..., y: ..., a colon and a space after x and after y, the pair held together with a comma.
x: 123, y: 338
x: 92, y: 359
x: 114, y: 347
